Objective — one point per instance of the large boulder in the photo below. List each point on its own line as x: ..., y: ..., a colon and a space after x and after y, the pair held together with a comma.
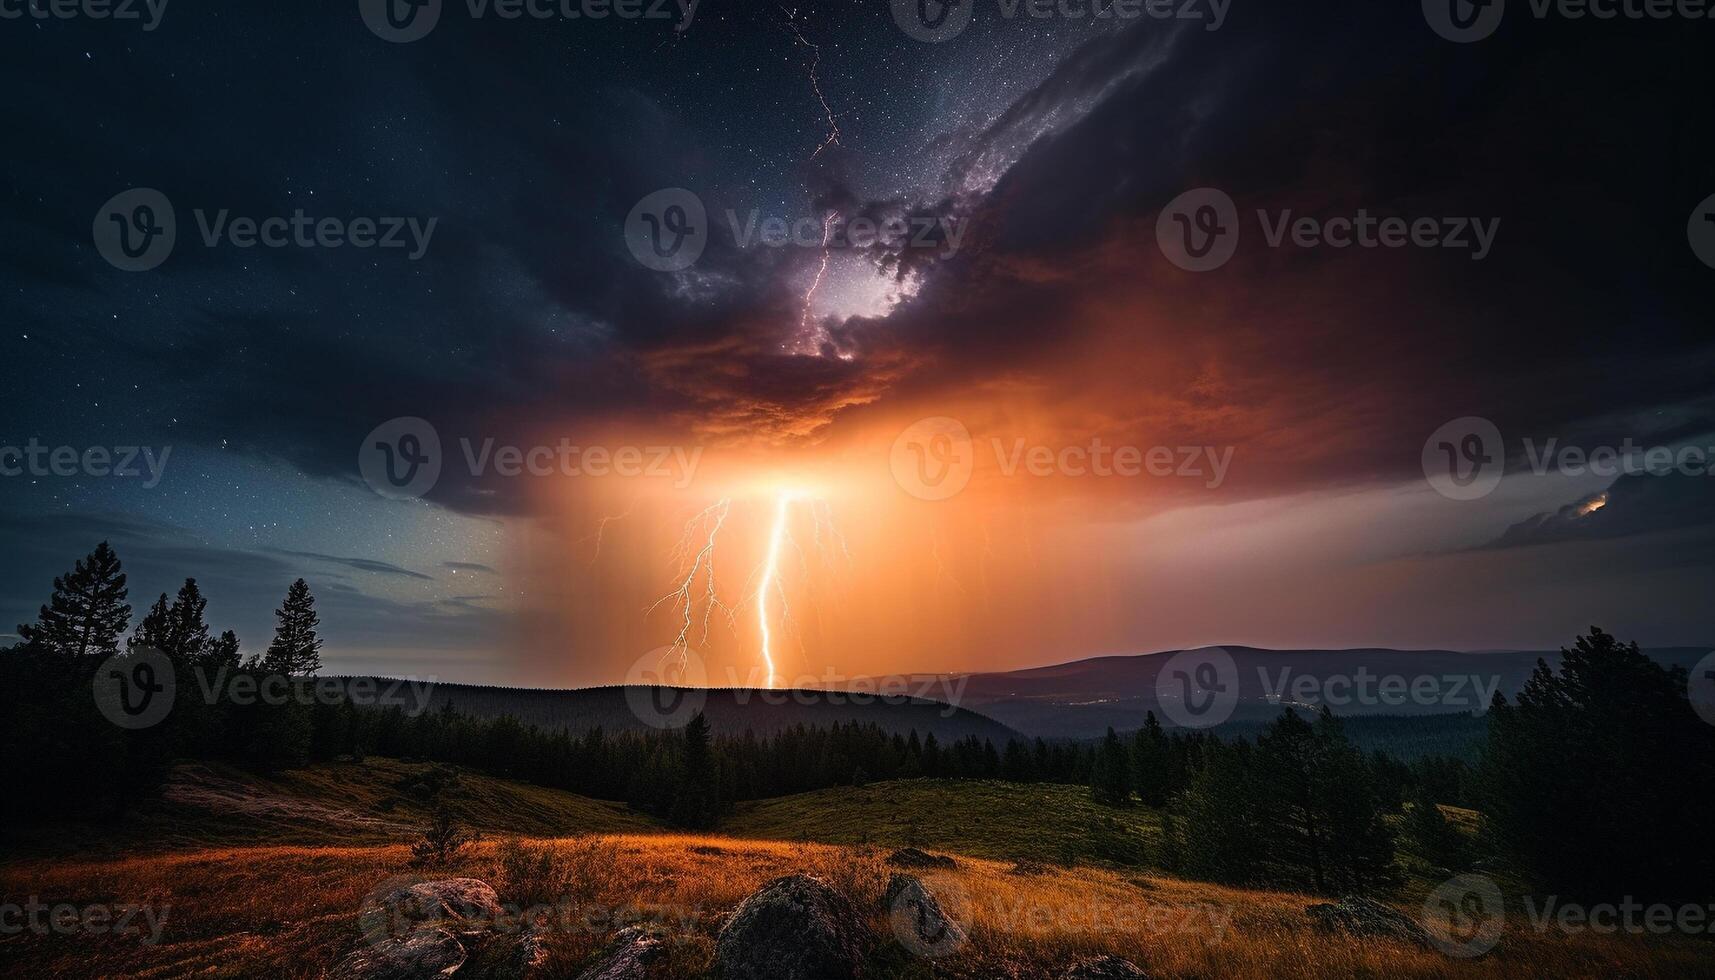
x: 627, y: 957
x: 793, y: 928
x: 417, y: 955
x: 911, y: 857
x: 1104, y: 968
x: 1359, y: 916
x: 918, y: 919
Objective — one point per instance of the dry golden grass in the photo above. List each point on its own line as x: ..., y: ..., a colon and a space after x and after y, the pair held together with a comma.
x: 292, y: 912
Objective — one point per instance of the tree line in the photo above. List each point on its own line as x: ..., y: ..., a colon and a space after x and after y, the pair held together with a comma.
x: 64, y: 757
x: 1592, y: 781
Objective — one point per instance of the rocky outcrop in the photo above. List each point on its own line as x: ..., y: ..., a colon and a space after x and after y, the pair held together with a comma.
x: 792, y: 928
x: 911, y: 857
x: 416, y: 955
x: 627, y: 957
x: 1358, y: 916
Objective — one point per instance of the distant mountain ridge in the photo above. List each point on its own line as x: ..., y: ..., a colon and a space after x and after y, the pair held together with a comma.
x: 1083, y: 698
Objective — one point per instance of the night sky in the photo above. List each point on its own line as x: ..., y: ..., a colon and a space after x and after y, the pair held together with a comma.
x: 1053, y: 144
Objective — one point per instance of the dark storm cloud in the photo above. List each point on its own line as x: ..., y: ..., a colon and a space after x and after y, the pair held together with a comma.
x: 526, y: 311
x: 1636, y: 504
x: 1590, y: 309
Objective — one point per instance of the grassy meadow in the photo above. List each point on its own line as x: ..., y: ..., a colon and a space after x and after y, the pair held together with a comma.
x: 266, y: 892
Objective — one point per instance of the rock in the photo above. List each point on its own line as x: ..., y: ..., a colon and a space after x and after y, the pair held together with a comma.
x: 793, y: 928
x: 627, y: 957
x: 417, y: 955
x: 918, y: 919
x: 458, y: 903
x: 911, y: 857
x: 1028, y: 868
x: 1105, y: 968
x: 1359, y: 916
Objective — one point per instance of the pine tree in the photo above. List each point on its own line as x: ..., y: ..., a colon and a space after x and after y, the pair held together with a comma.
x: 1595, y: 778
x: 1432, y: 837
x: 1150, y: 759
x: 187, y: 633
x: 222, y: 654
x: 1219, y: 830
x: 1110, y: 780
x: 296, y: 648
x: 1320, y: 809
x: 87, y: 613
x: 152, y: 632
x: 696, y: 802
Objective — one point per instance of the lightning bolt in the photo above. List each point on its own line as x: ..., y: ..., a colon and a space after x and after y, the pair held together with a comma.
x: 833, y: 137
x: 701, y: 560
x: 601, y: 530
x: 696, y: 600
x: 771, y: 577
x: 805, y: 335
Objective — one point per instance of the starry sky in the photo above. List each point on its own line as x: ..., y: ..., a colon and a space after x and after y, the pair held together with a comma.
x: 1054, y: 144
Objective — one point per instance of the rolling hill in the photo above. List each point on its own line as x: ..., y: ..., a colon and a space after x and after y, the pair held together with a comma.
x: 1083, y: 698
